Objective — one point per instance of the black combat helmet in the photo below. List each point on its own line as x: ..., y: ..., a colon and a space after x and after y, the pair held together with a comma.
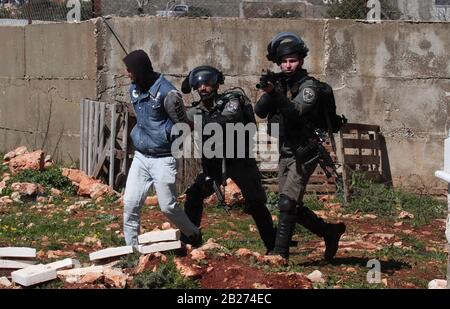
x: 202, y: 75
x: 286, y: 43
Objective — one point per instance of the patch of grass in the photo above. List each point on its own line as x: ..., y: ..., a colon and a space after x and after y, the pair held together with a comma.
x: 369, y: 197
x: 49, y: 178
x: 165, y: 277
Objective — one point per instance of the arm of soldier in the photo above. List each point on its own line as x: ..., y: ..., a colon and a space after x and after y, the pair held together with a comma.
x: 265, y: 106
x: 305, y: 101
x: 174, y: 106
x: 231, y: 113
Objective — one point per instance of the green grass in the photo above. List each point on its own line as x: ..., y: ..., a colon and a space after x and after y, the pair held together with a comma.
x: 372, y: 198
x: 49, y: 178
x: 165, y: 277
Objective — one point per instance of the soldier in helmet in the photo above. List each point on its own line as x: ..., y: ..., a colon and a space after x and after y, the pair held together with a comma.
x: 292, y: 100
x: 228, y: 108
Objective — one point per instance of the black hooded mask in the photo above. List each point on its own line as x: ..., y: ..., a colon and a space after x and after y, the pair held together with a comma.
x: 139, y: 64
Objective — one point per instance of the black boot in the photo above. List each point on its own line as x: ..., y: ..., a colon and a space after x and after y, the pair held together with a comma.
x: 330, y: 232
x: 332, y: 237
x: 286, y: 226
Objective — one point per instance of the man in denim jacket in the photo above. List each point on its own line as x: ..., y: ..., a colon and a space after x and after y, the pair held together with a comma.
x: 158, y: 106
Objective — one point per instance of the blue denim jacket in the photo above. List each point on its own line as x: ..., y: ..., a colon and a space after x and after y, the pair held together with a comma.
x: 152, y: 132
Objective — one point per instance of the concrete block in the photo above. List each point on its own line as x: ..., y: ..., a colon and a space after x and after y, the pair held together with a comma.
x: 12, y: 264
x: 159, y: 247
x: 110, y: 252
x: 66, y: 263
x: 19, y: 252
x: 158, y: 236
x: 33, y: 275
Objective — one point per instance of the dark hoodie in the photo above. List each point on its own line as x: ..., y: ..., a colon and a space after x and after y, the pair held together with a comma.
x: 139, y: 64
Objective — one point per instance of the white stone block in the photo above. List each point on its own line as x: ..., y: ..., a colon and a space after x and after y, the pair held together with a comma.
x: 437, y: 284
x: 12, y: 264
x: 159, y: 247
x: 33, y: 275
x: 66, y: 263
x: 18, y: 252
x: 110, y: 252
x: 158, y: 236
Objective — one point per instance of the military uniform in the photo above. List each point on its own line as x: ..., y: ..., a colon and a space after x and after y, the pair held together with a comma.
x: 294, y: 102
x: 243, y: 171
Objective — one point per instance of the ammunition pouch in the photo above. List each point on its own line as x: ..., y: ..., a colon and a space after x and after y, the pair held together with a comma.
x: 305, y: 156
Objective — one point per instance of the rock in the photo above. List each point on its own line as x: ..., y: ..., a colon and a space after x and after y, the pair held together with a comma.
x: 274, y: 218
x: 350, y: 270
x: 370, y: 216
x: 79, y: 179
x: 5, y: 283
x: 91, y: 278
x: 384, y: 236
x: 252, y: 228
x: 72, y: 208
x: 405, y: 215
x: 258, y: 286
x: 398, y: 244
x: 437, y: 284
x: 27, y: 189
x: 333, y: 206
x: 275, y: 260
x: 166, y: 226
x: 316, y: 277
x: 15, y: 196
x: 100, y: 190
x: 143, y: 264
x: 5, y: 201
x: 151, y: 201
x: 198, y: 255
x: 244, y: 252
x: 186, y: 270
x: 41, y: 199
x: 210, y: 201
x: 34, y: 160
x: 398, y: 224
x: 210, y: 244
x: 233, y: 194
x: 14, y: 153
x: 56, y: 254
x: 55, y: 192
x: 384, y: 281
x: 326, y: 198
x: 161, y: 256
x: 115, y: 277
x: 48, y: 158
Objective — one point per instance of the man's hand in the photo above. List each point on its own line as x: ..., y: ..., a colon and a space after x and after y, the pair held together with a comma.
x: 270, y: 87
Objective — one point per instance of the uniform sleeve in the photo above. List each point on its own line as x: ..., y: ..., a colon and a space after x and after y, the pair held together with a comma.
x: 174, y: 106
x: 265, y: 106
x: 231, y: 113
x: 305, y: 101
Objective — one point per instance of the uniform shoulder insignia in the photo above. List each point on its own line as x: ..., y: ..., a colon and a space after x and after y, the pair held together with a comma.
x: 309, y: 94
x: 232, y: 106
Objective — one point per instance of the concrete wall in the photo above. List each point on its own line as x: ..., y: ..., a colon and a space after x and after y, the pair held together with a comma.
x: 432, y: 10
x: 44, y: 72
x: 393, y: 74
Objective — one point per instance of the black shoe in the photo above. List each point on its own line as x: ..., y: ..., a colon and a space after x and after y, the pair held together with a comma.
x: 194, y: 240
x: 332, y: 237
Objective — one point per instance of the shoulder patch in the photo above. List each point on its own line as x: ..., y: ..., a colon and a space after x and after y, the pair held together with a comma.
x: 309, y: 94
x: 135, y: 93
x: 232, y: 106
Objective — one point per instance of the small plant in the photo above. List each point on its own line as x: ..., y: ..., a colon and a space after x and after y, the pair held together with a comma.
x: 51, y: 177
x: 165, y: 277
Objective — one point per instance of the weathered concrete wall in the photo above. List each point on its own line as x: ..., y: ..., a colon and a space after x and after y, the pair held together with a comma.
x: 393, y: 74
x: 44, y: 72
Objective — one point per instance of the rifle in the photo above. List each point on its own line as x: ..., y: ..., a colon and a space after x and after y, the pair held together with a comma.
x: 319, y: 153
x: 266, y: 77
x: 219, y: 194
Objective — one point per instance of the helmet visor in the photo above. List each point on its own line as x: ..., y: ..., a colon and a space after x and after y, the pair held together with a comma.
x: 202, y: 76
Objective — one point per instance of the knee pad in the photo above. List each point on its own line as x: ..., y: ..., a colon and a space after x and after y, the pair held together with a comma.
x: 287, y: 205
